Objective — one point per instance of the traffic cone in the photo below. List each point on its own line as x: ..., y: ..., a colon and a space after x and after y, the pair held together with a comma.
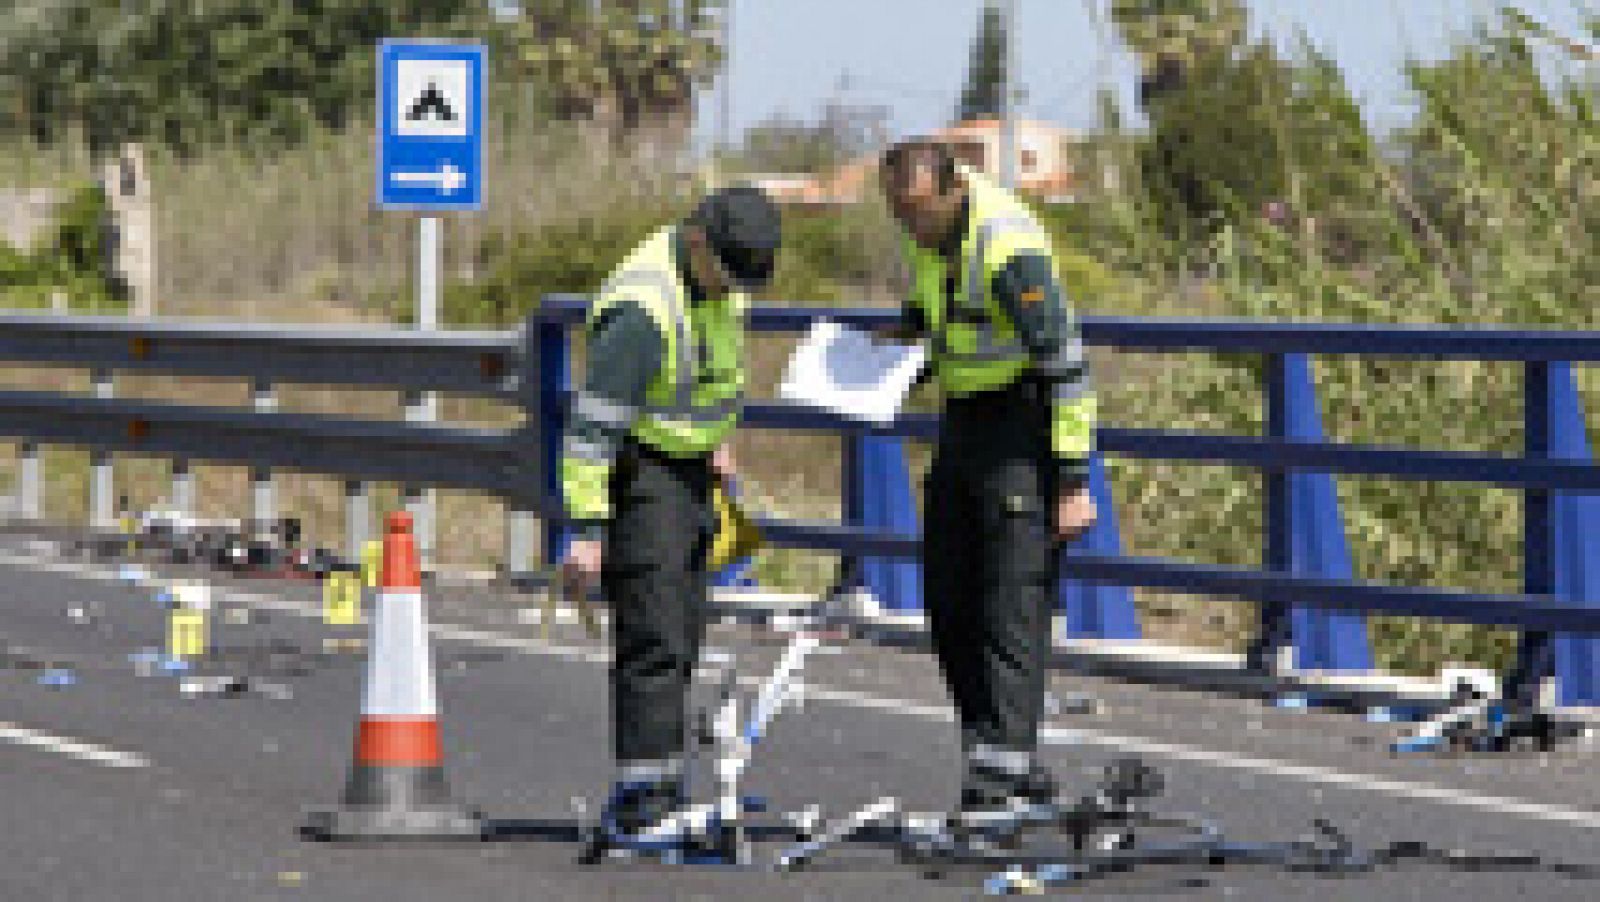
x: 397, y: 787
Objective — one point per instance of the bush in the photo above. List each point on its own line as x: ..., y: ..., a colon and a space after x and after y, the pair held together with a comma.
x: 75, y: 260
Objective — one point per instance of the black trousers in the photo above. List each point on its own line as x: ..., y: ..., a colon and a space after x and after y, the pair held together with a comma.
x: 990, y: 561
x: 654, y: 575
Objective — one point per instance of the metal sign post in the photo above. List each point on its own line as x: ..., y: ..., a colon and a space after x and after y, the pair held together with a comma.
x: 430, y: 158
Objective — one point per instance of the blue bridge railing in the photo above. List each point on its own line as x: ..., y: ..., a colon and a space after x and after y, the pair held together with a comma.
x: 1310, y: 605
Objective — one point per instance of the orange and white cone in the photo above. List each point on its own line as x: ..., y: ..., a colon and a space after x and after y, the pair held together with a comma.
x: 397, y: 787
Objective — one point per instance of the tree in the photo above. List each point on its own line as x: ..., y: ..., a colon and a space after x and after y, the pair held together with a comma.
x: 185, y: 74
x: 1171, y: 36
x: 984, y: 95
x: 625, y: 64
x: 1233, y: 124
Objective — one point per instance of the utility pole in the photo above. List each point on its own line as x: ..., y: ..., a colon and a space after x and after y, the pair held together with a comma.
x: 727, y: 74
x: 1008, y: 126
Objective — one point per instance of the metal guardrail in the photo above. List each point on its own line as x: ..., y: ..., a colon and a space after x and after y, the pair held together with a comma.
x: 1302, y: 589
x: 412, y: 452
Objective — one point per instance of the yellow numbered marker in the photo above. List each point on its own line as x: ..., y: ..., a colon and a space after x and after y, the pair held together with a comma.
x: 371, y: 563
x: 186, y: 633
x: 341, y: 599
x: 127, y: 526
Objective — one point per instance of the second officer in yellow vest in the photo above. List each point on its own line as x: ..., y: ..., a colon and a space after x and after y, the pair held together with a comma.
x: 1008, y: 482
x: 647, y: 437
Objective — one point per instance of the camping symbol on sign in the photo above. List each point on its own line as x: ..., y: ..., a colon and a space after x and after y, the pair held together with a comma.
x: 432, y: 97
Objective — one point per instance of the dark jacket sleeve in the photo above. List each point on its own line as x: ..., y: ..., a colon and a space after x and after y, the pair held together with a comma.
x: 624, y: 354
x: 1030, y: 295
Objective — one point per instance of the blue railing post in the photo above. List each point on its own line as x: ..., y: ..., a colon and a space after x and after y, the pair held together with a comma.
x: 853, y: 478
x: 1323, y: 640
x: 1304, y: 535
x: 1277, y: 553
x: 887, y: 505
x: 1577, y: 548
x: 1534, y: 664
x: 1098, y: 610
x: 1560, y: 544
x: 555, y: 380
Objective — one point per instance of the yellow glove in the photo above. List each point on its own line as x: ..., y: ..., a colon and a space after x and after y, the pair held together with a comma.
x: 737, y: 537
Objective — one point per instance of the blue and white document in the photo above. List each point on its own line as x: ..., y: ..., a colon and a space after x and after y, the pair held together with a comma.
x: 844, y: 370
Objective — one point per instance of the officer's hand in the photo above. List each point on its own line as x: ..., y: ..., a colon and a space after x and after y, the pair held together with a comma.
x: 581, y: 568
x: 1075, y: 513
x: 722, y: 462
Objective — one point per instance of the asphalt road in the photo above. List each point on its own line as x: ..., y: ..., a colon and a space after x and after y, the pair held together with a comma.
x: 118, y: 787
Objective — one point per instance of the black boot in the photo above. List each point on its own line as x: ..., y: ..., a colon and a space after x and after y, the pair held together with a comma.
x: 998, y: 788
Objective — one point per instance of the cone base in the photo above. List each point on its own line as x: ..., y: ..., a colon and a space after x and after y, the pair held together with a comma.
x: 434, y: 822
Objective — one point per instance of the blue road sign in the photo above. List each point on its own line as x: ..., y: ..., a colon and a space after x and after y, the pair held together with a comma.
x: 430, y: 125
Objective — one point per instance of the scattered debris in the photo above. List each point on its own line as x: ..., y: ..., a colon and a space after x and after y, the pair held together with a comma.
x: 130, y: 573
x: 291, y: 878
x: 173, y: 665
x: 57, y: 676
x: 145, y: 661
x: 193, y: 687
x: 1074, y: 703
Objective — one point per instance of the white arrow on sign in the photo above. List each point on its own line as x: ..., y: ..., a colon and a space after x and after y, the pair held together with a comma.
x: 446, y: 178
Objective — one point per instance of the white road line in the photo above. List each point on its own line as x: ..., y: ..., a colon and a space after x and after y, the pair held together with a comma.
x: 72, y: 748
x: 1050, y: 735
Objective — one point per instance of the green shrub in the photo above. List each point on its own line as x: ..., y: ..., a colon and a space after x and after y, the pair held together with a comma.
x: 74, y: 259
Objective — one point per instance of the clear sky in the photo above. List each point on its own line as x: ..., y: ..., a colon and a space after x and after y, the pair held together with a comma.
x: 911, y: 55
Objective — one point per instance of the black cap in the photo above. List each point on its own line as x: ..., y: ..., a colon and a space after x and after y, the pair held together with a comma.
x: 742, y: 226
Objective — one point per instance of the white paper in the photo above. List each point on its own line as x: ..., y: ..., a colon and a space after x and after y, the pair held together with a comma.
x: 843, y: 370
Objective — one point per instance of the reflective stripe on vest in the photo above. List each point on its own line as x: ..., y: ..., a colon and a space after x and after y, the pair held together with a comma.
x: 596, y: 409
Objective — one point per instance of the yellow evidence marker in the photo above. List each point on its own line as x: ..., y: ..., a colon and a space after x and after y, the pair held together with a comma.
x: 186, y: 625
x: 341, y: 599
x: 371, y: 562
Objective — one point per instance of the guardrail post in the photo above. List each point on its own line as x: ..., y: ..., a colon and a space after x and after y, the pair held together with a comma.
x: 100, y: 488
x: 884, y: 493
x: 1560, y: 545
x: 522, y: 503
x: 1323, y: 639
x: 1267, y: 651
x: 1098, y: 610
x: 1577, y: 665
x: 357, y: 518
x: 30, y: 495
x: 518, y: 540
x: 263, y: 508
x: 555, y: 380
x: 182, y: 500
x: 421, y: 407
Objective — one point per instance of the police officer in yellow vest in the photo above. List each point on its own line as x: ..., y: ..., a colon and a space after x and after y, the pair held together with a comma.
x: 1009, y: 478
x: 648, y: 434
